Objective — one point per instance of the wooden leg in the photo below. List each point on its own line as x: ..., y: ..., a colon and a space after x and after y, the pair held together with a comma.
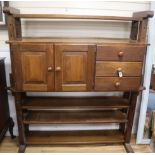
x: 22, y: 149
x: 11, y: 125
x: 128, y: 148
x: 133, y: 100
x: 21, y: 127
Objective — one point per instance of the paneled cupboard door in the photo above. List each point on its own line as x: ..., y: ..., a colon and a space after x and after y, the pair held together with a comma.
x: 35, y: 67
x: 74, y: 67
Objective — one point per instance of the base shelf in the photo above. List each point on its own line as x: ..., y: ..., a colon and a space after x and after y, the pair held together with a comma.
x: 74, y: 137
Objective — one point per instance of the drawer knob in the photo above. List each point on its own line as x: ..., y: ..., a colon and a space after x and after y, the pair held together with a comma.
x: 120, y: 54
x: 58, y: 69
x: 117, y: 84
x: 119, y: 72
x: 50, y: 69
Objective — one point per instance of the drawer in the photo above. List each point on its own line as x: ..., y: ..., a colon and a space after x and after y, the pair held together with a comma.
x: 111, y: 68
x: 120, y: 53
x: 117, y: 84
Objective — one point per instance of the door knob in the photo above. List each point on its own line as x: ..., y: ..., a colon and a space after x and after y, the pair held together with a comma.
x: 49, y: 69
x: 117, y: 84
x: 58, y: 69
x: 120, y: 54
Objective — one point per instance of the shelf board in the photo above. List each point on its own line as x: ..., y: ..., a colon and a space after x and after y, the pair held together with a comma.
x: 89, y: 117
x: 74, y: 137
x: 76, y: 103
x: 69, y: 40
x: 82, y: 17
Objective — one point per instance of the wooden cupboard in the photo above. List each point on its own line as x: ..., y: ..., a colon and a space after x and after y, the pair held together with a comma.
x: 58, y: 67
x: 76, y: 65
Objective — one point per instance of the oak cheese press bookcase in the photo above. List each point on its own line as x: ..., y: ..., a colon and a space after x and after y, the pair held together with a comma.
x: 76, y: 65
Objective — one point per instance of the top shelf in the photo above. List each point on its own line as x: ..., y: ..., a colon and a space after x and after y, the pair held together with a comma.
x: 137, y: 16
x: 138, y: 31
x: 82, y: 17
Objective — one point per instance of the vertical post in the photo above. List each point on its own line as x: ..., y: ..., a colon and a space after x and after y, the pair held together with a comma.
x: 143, y: 30
x: 13, y: 24
x: 134, y: 30
x: 14, y: 32
x: 21, y: 128
x: 11, y: 27
x: 18, y: 29
x: 130, y: 116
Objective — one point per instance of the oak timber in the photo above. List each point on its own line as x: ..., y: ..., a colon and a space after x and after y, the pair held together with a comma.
x: 89, y: 117
x: 118, y: 41
x: 74, y: 103
x: 75, y: 137
x: 72, y: 65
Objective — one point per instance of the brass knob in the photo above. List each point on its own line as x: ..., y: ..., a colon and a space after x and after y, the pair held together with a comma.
x: 120, y: 54
x: 117, y: 84
x: 50, y: 69
x: 58, y: 69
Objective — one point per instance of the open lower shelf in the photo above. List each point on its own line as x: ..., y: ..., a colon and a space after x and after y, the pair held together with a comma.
x: 76, y: 103
x: 89, y: 117
x: 74, y: 137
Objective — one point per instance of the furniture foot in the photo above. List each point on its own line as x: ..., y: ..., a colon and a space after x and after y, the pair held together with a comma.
x: 22, y: 149
x: 128, y: 148
x: 11, y: 125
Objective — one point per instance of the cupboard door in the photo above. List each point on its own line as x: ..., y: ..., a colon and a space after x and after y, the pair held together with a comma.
x: 74, y: 67
x: 36, y: 66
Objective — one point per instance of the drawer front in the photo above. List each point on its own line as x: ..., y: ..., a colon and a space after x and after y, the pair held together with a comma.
x: 112, y: 68
x: 120, y: 53
x: 117, y: 84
